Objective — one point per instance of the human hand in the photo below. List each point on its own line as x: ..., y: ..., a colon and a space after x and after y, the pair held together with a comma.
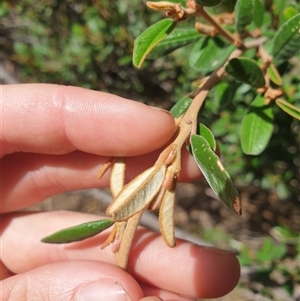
x: 54, y: 139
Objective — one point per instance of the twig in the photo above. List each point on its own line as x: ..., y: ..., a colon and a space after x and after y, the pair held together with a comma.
x: 202, y: 13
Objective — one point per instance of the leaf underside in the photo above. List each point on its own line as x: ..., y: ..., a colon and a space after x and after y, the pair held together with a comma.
x: 137, y: 194
x: 288, y: 108
x: 117, y: 177
x: 166, y: 218
x: 274, y: 75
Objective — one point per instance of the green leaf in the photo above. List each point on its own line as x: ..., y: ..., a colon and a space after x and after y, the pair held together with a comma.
x: 227, y: 6
x: 258, y: 13
x: 179, y: 37
x: 274, y: 75
x: 206, y: 133
x: 79, y: 232
x: 244, y: 10
x: 289, y: 11
x: 209, y: 54
x: 284, y: 234
x: 182, y: 2
x: 288, y: 108
x: 278, y: 6
x: 150, y: 38
x: 209, y: 3
x: 181, y: 106
x: 270, y: 251
x: 246, y: 71
x: 222, y: 96
x: 287, y: 40
x: 256, y: 127
x: 215, y: 174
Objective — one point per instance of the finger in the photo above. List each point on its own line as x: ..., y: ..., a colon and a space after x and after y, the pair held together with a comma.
x: 76, y: 281
x: 186, y: 269
x: 30, y: 178
x: 55, y: 119
x: 150, y: 290
x: 4, y: 271
x: 152, y: 298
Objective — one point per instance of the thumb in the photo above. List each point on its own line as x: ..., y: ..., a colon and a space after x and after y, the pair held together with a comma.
x: 72, y: 280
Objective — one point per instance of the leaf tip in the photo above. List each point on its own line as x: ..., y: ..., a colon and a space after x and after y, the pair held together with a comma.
x: 49, y: 240
x: 237, y: 206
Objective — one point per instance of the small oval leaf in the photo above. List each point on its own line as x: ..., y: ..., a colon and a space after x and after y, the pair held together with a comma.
x: 258, y: 12
x: 290, y: 11
x: 274, y: 75
x: 243, y: 12
x: 79, y: 232
x: 226, y: 6
x: 287, y: 40
x: 288, y: 108
x: 209, y: 54
x: 246, y: 71
x: 215, y: 174
x: 178, y: 38
x: 150, y: 38
x: 137, y: 194
x: 209, y: 3
x: 256, y: 127
x: 206, y: 133
x: 181, y: 106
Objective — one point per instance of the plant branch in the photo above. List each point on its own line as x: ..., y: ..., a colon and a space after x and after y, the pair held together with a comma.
x: 188, y: 123
x: 170, y: 157
x: 202, y: 13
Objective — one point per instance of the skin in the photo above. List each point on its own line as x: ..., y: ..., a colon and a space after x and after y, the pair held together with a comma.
x: 54, y: 139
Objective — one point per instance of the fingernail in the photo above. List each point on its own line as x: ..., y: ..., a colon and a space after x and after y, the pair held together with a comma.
x: 103, y: 290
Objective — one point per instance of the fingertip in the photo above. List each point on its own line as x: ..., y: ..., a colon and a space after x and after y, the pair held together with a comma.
x: 187, y: 269
x: 220, y: 272
x: 114, y: 126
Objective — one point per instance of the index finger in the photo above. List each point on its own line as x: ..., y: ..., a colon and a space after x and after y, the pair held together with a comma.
x: 54, y: 119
